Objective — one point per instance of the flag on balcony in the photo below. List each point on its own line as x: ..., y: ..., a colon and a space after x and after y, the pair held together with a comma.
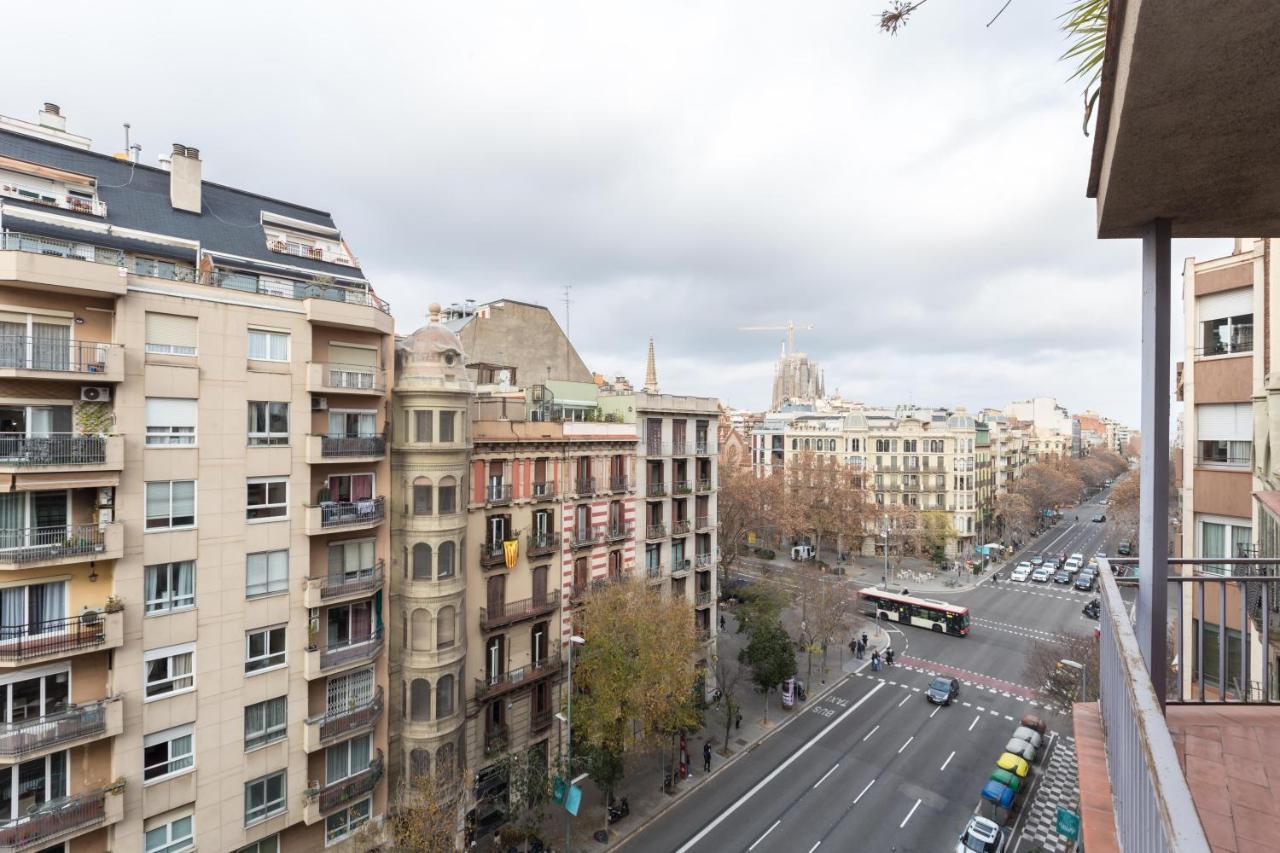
x: 511, y: 552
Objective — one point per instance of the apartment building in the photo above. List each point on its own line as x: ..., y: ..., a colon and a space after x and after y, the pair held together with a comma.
x: 984, y: 477
x: 192, y: 404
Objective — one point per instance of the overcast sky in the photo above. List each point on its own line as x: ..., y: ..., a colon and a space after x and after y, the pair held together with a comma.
x: 686, y: 167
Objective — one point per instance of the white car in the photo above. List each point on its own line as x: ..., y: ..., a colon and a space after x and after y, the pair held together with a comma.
x: 983, y: 836
x: 1079, y: 558
x: 1021, y: 573
x: 1042, y: 574
x: 1073, y: 565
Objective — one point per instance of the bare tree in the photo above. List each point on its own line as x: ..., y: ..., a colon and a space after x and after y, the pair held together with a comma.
x: 730, y: 677
x: 1058, y: 683
x: 744, y: 503
x: 428, y: 812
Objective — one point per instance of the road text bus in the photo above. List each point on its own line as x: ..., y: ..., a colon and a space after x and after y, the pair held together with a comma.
x: 921, y: 612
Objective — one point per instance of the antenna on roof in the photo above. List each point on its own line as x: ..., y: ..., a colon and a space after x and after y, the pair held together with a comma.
x: 567, y: 288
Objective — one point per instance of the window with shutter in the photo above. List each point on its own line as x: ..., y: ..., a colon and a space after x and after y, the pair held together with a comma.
x: 170, y: 334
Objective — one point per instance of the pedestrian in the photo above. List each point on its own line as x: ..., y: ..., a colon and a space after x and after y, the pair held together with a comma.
x: 862, y: 649
x: 721, y: 621
x: 738, y: 722
x: 706, y: 757
x: 875, y: 660
x: 864, y: 639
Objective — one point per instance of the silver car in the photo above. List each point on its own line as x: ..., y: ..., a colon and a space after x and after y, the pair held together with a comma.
x: 983, y: 836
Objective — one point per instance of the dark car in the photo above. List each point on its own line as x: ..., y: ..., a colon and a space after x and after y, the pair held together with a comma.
x: 1099, y: 518
x: 1037, y: 561
x: 1086, y: 581
x: 1125, y: 548
x: 1063, y: 576
x: 942, y: 690
x: 1091, y: 609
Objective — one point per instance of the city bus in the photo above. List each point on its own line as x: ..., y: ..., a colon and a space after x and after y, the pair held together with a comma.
x: 910, y: 610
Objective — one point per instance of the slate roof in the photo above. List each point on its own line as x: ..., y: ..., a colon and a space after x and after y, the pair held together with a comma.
x: 137, y: 196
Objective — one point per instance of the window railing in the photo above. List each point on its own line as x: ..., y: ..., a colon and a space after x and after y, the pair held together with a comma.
x: 584, y: 536
x: 681, y: 527
x: 492, y: 554
x: 497, y: 494
x: 358, y: 715
x: 703, y: 561
x: 502, y: 681
x: 349, y: 583
x: 704, y: 484
x: 356, y: 648
x: 681, y: 487
x: 20, y: 352
x: 656, y: 490
x: 702, y: 598
x: 359, y: 377
x: 342, y: 513
x: 52, y: 449
x: 339, y: 446
x: 1241, y: 342
x: 544, y: 490
x: 348, y: 789
x: 495, y: 738
x: 679, y: 567
x: 678, y: 448
x: 1231, y: 460
x: 507, y: 612
x: 584, y: 485
x: 653, y: 572
x: 702, y: 522
x: 315, y: 253
x: 29, y: 544
x: 51, y: 636
x: 618, y: 483
x: 53, y: 818
x: 655, y: 531
x: 543, y: 543
x: 72, y: 723
x: 702, y: 448
x: 52, y: 198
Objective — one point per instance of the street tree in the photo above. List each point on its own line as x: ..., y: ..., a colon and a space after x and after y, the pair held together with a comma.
x: 771, y: 655
x: 825, y: 612
x: 428, y: 812
x: 935, y: 531
x: 730, y: 677
x: 1015, y: 515
x: 1060, y: 684
x: 743, y: 506
x: 529, y: 792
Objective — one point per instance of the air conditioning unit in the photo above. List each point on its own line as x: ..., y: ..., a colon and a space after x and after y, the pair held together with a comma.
x: 319, y: 404
x: 95, y: 393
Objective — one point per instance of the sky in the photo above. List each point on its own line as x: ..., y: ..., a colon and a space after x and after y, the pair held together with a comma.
x: 684, y: 168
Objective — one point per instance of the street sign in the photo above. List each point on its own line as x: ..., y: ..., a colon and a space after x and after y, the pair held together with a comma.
x: 1068, y: 824
x: 559, y: 791
x: 573, y: 800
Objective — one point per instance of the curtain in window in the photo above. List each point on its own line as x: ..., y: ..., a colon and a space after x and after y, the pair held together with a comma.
x: 179, y: 666
x: 184, y: 584
x: 13, y: 618
x: 45, y: 605
x: 361, y: 622
x: 51, y: 346
x: 1213, y: 543
x: 13, y: 344
x: 361, y: 487
x: 11, y: 519
x: 360, y: 754
x: 157, y: 581
x: 1240, y: 544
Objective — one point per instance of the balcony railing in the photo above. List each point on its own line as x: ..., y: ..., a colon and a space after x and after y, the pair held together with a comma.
x: 341, y: 721
x: 19, y: 242
x: 360, y: 377
x: 497, y: 494
x: 344, y: 513
x: 340, y: 446
x: 681, y: 527
x: 293, y: 289
x: 29, y: 544
x: 37, y: 733
x: 620, y: 530
x: 618, y: 484
x: 656, y: 448
x: 655, y: 531
x: 702, y: 448
x: 679, y: 448
x: 704, y: 484
x: 349, y: 583
x: 21, y: 352
x: 495, y: 738
x: 513, y: 678
x: 492, y: 554
x: 681, y: 487
x: 539, y: 720
x: 679, y: 567
x: 583, y: 589
x: 656, y: 490
x: 1225, y: 460
x: 357, y: 648
x: 52, y: 636
x: 315, y: 253
x: 703, y: 561
x: 653, y: 572
x: 544, y: 491
x: 346, y: 790
x: 50, y: 198
x: 52, y: 449
x: 702, y: 598
x: 514, y: 611
x: 53, y: 818
x: 541, y: 544
x: 584, y: 485
x: 585, y: 537
x: 702, y: 522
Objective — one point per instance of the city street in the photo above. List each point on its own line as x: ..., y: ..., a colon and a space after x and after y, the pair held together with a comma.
x: 874, y: 766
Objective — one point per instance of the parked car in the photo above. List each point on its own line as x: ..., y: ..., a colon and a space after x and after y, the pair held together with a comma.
x: 1077, y: 558
x: 1062, y: 576
x: 1030, y: 735
x: 1099, y: 518
x: 1125, y: 548
x: 1037, y: 561
x: 1021, y: 748
x: 943, y: 690
x: 1085, y: 581
x: 802, y: 552
x: 983, y: 836
x: 1042, y: 574
x: 1021, y: 573
x: 1092, y: 608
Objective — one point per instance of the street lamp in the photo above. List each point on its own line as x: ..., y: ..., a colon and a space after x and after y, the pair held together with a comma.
x: 884, y: 579
x: 574, y: 640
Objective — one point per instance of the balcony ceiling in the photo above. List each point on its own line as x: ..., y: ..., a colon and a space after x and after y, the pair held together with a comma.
x: 1188, y: 118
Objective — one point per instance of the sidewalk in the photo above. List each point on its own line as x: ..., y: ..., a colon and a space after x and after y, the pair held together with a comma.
x: 642, y: 785
x: 911, y: 573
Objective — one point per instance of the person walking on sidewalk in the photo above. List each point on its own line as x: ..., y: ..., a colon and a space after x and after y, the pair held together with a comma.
x: 706, y: 756
x: 721, y: 621
x: 875, y: 660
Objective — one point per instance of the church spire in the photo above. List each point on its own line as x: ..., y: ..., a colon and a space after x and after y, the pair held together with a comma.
x: 651, y: 372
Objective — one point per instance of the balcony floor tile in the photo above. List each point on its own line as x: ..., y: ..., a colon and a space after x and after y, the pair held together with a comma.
x: 1256, y: 830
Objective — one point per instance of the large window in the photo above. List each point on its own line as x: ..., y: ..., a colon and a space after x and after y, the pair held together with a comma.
x: 1226, y: 335
x: 264, y: 649
x: 1234, y: 453
x: 268, y: 423
x: 446, y: 426
x: 343, y: 822
x: 351, y: 559
x: 170, y: 334
x: 265, y: 722
x: 168, y: 753
x: 268, y: 346
x: 37, y: 608
x: 422, y: 421
x: 265, y: 845
x: 26, y: 697
x: 444, y: 561
x: 267, y: 498
x: 171, y: 504
x: 1223, y: 537
x: 169, y: 671
x: 448, y: 491
x: 171, y: 836
x: 1212, y: 650
x: 422, y: 493
x: 266, y: 573
x: 264, y: 797
x: 170, y: 422
x: 170, y: 586
x: 347, y: 758
x: 31, y: 784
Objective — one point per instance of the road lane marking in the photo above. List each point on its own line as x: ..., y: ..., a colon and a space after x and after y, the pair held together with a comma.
x: 948, y: 761
x: 935, y: 710
x: 706, y: 830
x: 904, y: 701
x: 981, y: 710
x: 766, y: 832
x: 905, y: 745
x: 863, y: 791
x: 815, y: 846
x: 825, y: 775
x: 869, y: 734
x: 909, y: 814
x: 974, y: 723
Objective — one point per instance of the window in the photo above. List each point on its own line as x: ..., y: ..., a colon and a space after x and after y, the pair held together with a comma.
x: 422, y: 496
x: 169, y: 671
x: 170, y: 334
x: 263, y: 649
x: 444, y: 561
x: 346, y: 759
x: 1235, y: 453
x: 1227, y: 335
x: 170, y: 586
x: 171, y: 504
x: 420, y: 700
x: 265, y: 722
x: 167, y: 753
x: 268, y: 423
x: 1212, y: 641
x: 446, y: 426
x: 422, y: 562
x: 268, y: 346
x: 448, y: 496
x: 265, y: 845
x: 264, y: 797
x: 266, y: 573
x: 267, y: 497
x: 30, y: 610
x: 421, y: 629
x: 341, y: 824
x: 172, y: 836
x: 170, y: 422
x: 422, y: 420
x: 444, y: 697
x: 445, y: 627
x: 1223, y: 539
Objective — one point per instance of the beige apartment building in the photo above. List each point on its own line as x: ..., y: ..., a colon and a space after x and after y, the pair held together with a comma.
x: 193, y: 395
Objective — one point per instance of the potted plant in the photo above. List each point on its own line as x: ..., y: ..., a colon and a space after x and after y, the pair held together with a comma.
x: 311, y: 637
x: 114, y: 604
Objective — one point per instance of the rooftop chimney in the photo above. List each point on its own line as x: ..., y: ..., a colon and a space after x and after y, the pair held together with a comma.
x: 51, y: 117
x: 184, y: 178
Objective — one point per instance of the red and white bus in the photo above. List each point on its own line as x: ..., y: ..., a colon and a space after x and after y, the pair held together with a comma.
x: 921, y: 612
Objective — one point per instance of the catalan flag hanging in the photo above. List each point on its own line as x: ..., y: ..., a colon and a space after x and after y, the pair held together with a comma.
x: 511, y: 552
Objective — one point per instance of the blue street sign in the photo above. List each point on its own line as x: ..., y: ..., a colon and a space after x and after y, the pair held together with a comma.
x: 559, y: 792
x: 573, y: 800
x: 1068, y: 824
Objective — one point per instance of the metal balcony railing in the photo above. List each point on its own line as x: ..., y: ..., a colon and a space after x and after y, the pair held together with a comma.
x: 497, y: 494
x: 51, y: 636
x: 315, y: 253
x: 74, y: 249
x: 581, y: 589
x: 681, y: 487
x: 655, y: 448
x: 618, y: 484
x: 681, y: 527
x: 704, y: 484
x: 655, y: 531
x: 503, y: 681
x: 541, y: 544
x: 584, y: 485
x: 507, y: 612
x: 1225, y: 460
x: 540, y: 720
x: 653, y: 572
x: 72, y: 723
x: 584, y: 537
x: 656, y: 490
x: 21, y: 352
x: 350, y: 583
x: 293, y: 289
x: 702, y: 522
x: 492, y: 554
x: 495, y: 738
x: 620, y: 530
x: 360, y: 377
x: 339, y: 446
x: 357, y: 648
x: 346, y: 790
x: 29, y: 544
x: 59, y: 448
x: 678, y: 448
x: 544, y: 490
x: 702, y: 448
x: 702, y: 598
x: 679, y: 567
x: 703, y: 561
x: 49, y: 198
x: 342, y: 513
x: 53, y: 818
x: 357, y: 715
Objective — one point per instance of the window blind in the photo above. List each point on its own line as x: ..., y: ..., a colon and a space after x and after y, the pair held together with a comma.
x: 1225, y: 421
x: 1228, y: 303
x: 171, y: 330
x: 342, y: 354
x: 171, y: 412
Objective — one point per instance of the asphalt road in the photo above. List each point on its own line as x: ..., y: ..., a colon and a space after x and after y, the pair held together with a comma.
x: 875, y: 767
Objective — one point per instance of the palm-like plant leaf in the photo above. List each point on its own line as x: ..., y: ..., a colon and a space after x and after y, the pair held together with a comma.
x: 1085, y: 24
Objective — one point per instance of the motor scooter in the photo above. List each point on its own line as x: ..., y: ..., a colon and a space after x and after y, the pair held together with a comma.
x: 618, y: 809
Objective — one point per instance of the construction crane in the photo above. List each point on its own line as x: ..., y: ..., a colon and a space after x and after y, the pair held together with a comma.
x: 789, y: 328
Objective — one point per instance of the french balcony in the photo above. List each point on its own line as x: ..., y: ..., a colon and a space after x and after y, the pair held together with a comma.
x: 703, y: 634
x: 655, y: 531
x: 702, y: 598
x: 655, y: 448
x: 704, y: 484
x: 492, y: 554
x: 345, y: 516
x: 33, y: 547
x: 337, y: 656
x: 60, y: 266
x: 585, y: 537
x: 702, y: 522
x: 350, y: 379
x: 504, y: 682
x: 681, y: 527
x: 75, y: 725
x: 544, y: 491
x: 83, y: 362
x: 584, y: 487
x: 619, y: 531
x: 497, y: 494
x: 332, y: 449
x: 679, y: 568
x: 323, y: 729
x: 542, y: 544
x: 540, y: 720
x: 320, y: 801
x: 345, y: 586
x: 60, y: 820
x: 703, y: 448
x: 682, y: 487
x: 52, y: 639
x: 679, y: 448
x: 653, y: 573
x: 69, y: 453
x: 619, y: 484
x: 656, y: 490
x: 510, y: 612
x: 704, y: 561
x: 495, y: 739
x: 581, y: 590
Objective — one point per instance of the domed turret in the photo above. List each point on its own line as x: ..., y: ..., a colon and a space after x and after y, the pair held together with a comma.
x: 432, y: 355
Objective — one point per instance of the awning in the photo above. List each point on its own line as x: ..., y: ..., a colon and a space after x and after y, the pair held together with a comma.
x: 60, y: 480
